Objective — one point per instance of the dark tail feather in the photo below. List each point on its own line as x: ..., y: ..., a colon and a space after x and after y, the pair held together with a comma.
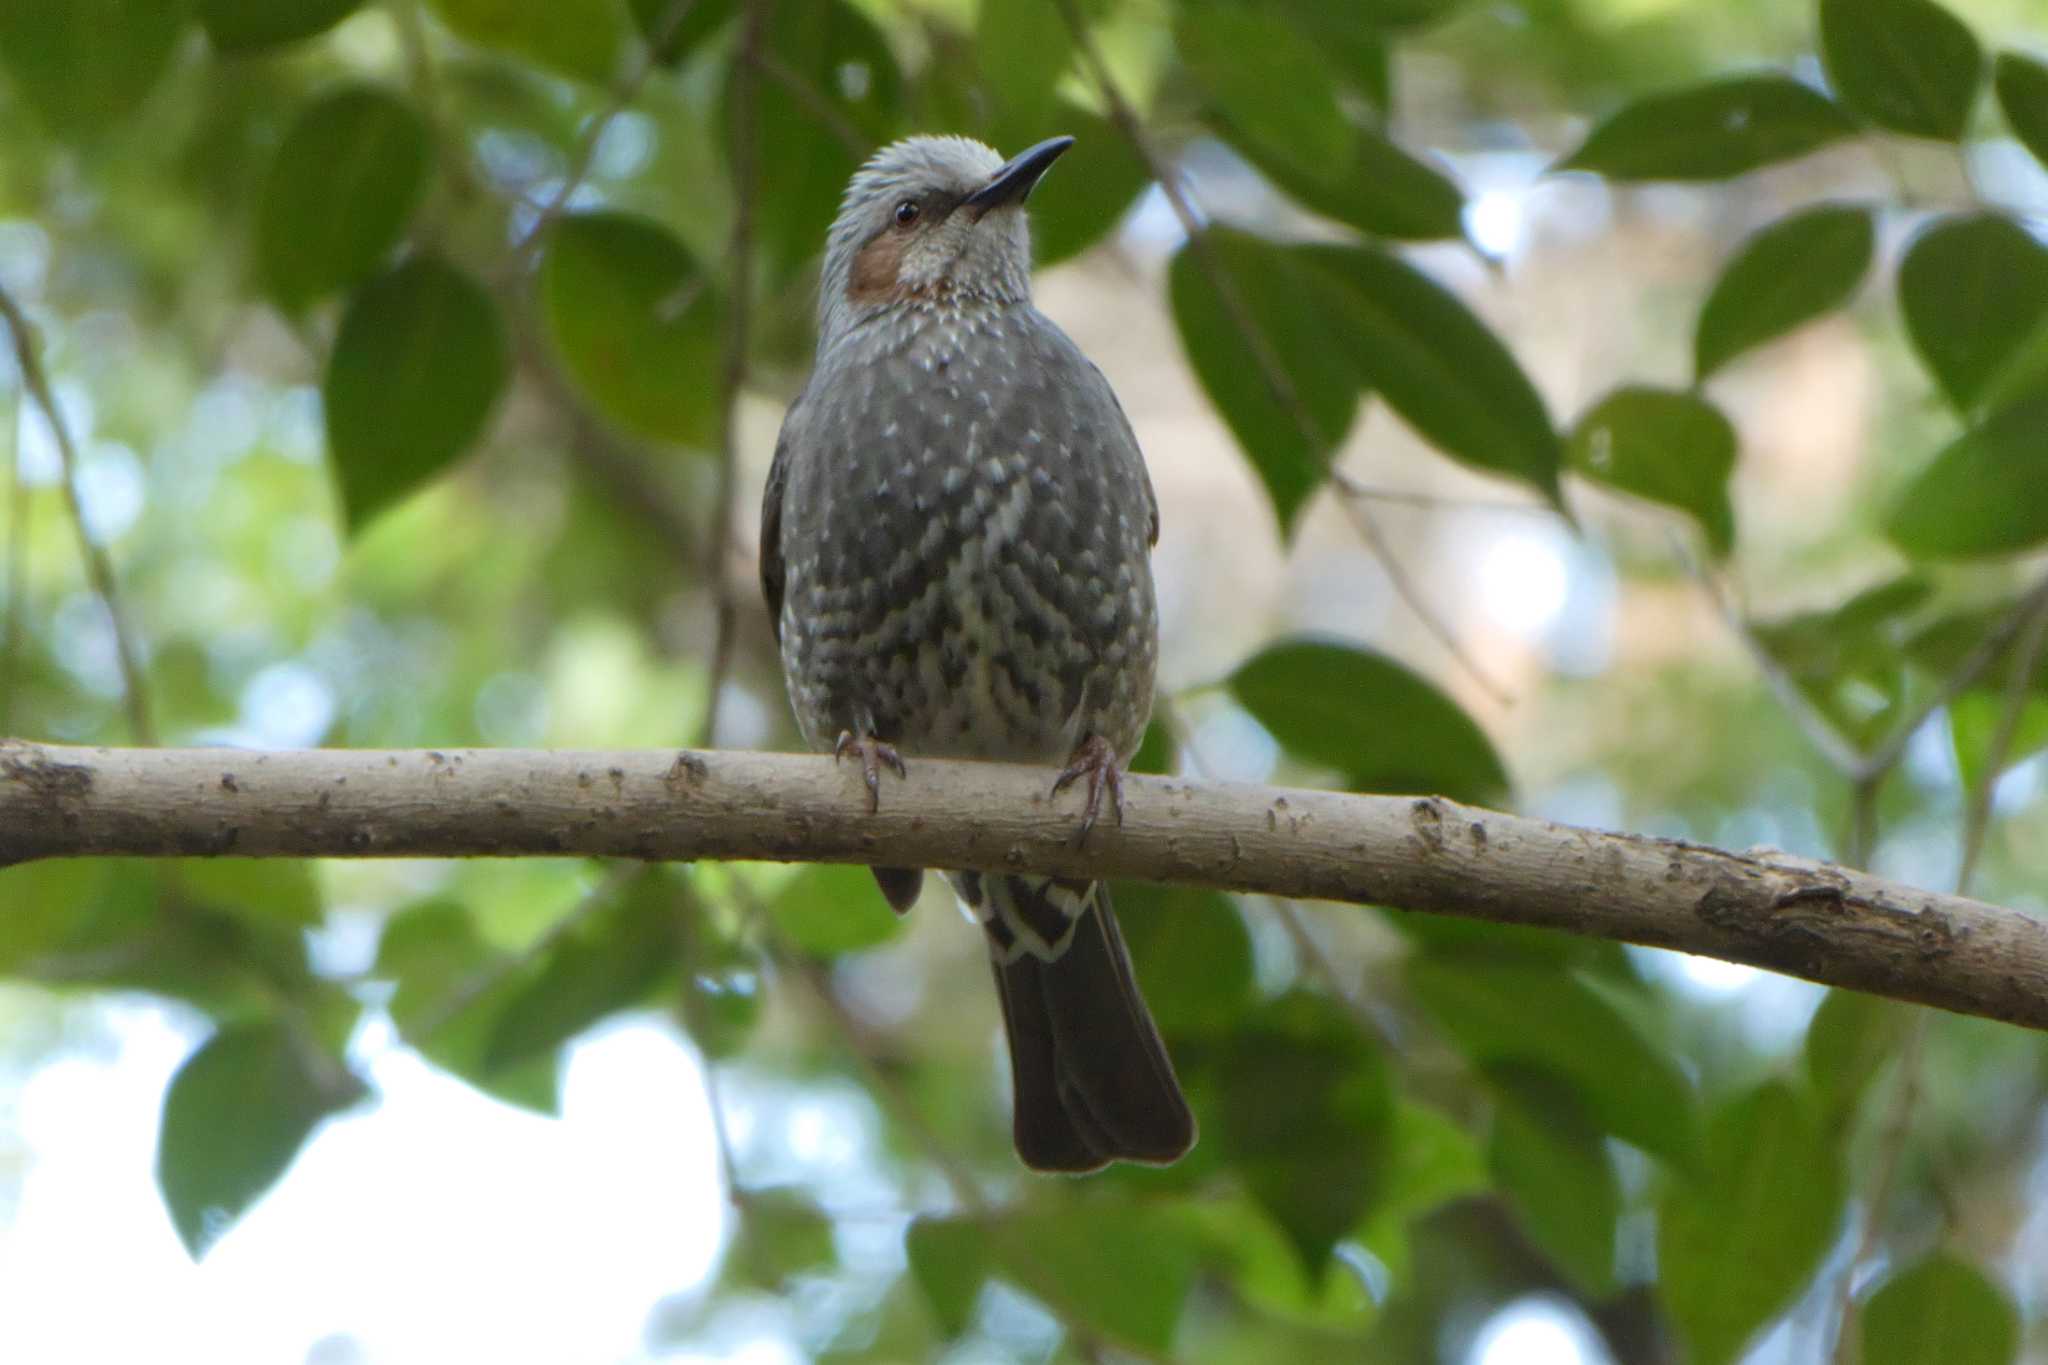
x: 1092, y: 1079
x: 900, y: 886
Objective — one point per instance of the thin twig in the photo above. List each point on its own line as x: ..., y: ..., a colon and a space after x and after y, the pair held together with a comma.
x: 1891, y: 1155
x: 625, y: 469
x: 585, y: 153
x: 739, y: 289
x: 1284, y: 394
x: 2031, y: 624
x: 419, y: 60
x: 16, y: 590
x: 1887, y: 754
x: 1351, y: 487
x: 2026, y: 658
x: 966, y: 1190
x: 99, y: 567
x: 1318, y: 963
x: 692, y: 1009
x: 815, y: 102
x: 1820, y: 732
x: 481, y: 982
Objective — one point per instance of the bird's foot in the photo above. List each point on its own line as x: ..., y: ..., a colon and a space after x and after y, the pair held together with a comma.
x: 1094, y: 759
x: 874, y: 756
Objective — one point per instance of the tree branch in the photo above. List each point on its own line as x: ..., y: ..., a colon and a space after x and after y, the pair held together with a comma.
x: 1815, y: 920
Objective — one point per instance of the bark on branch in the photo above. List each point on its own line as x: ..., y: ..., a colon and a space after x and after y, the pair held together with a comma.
x: 1826, y: 923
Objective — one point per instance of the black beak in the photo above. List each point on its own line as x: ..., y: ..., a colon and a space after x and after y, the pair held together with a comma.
x: 1012, y: 184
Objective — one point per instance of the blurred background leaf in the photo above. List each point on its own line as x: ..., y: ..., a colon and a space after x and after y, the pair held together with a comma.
x: 1787, y: 274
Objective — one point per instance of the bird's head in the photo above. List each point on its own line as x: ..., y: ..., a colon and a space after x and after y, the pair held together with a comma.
x: 931, y: 220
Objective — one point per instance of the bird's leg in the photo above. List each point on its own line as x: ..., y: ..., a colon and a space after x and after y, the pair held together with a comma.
x: 1094, y: 759
x: 874, y: 756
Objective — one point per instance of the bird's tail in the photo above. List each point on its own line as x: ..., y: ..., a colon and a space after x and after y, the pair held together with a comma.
x: 1092, y: 1080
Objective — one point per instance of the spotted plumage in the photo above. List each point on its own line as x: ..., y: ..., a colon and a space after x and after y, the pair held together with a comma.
x: 955, y: 550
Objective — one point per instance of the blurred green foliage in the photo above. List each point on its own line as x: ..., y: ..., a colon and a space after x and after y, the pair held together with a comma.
x: 409, y: 343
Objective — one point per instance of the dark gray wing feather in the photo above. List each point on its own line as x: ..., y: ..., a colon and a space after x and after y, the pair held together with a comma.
x: 772, y: 568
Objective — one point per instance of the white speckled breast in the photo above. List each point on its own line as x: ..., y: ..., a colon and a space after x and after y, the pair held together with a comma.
x: 966, y: 531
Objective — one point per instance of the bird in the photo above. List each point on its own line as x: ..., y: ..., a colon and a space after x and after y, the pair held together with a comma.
x: 956, y: 536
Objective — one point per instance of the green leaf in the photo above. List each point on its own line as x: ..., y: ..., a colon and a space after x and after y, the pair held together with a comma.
x: 1851, y: 1037
x: 611, y: 958
x: 1978, y: 495
x: 844, y: 62
x: 1023, y: 47
x: 1157, y: 751
x: 1270, y: 82
x: 1373, y: 185
x: 1973, y: 292
x: 1670, y: 447
x: 1354, y: 39
x: 1285, y: 304
x: 258, y: 888
x: 339, y: 193
x: 829, y: 910
x: 1630, y: 1086
x: 1791, y: 272
x: 236, y: 26
x: 1437, y: 365
x: 1940, y: 1311
x: 1906, y: 65
x: 229, y: 945
x: 1736, y: 1245
x: 1244, y: 1248
x: 1192, y: 953
x: 1449, y: 938
x: 580, y: 38
x: 675, y: 27
x: 2022, y: 86
x: 781, y: 1234
x: 2023, y: 372
x: 1849, y: 660
x: 1076, y: 211
x: 1382, y: 727
x: 721, y: 986
x: 47, y: 901
x: 85, y: 63
x: 1400, y: 14
x: 451, y: 989
x: 636, y: 324
x: 235, y: 1115
x: 1120, y: 1268
x: 1550, y: 1159
x: 1306, y: 1112
x: 1712, y: 131
x: 950, y: 1259
x: 1434, y: 1161
x: 1976, y: 722
x: 417, y: 367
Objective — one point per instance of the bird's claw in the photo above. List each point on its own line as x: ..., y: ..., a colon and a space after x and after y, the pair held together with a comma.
x: 874, y: 756
x: 1095, y: 760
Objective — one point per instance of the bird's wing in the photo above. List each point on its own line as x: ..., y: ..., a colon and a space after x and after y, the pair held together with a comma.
x: 1137, y: 455
x: 772, y: 570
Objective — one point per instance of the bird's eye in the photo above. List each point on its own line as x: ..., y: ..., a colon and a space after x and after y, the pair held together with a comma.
x: 906, y: 213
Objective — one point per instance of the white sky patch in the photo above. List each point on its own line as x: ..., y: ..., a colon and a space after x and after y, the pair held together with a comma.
x: 1524, y: 580
x: 434, y: 1225
x: 1695, y: 975
x: 1498, y: 222
x: 110, y: 489
x: 1538, y: 1330
x: 1712, y: 976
